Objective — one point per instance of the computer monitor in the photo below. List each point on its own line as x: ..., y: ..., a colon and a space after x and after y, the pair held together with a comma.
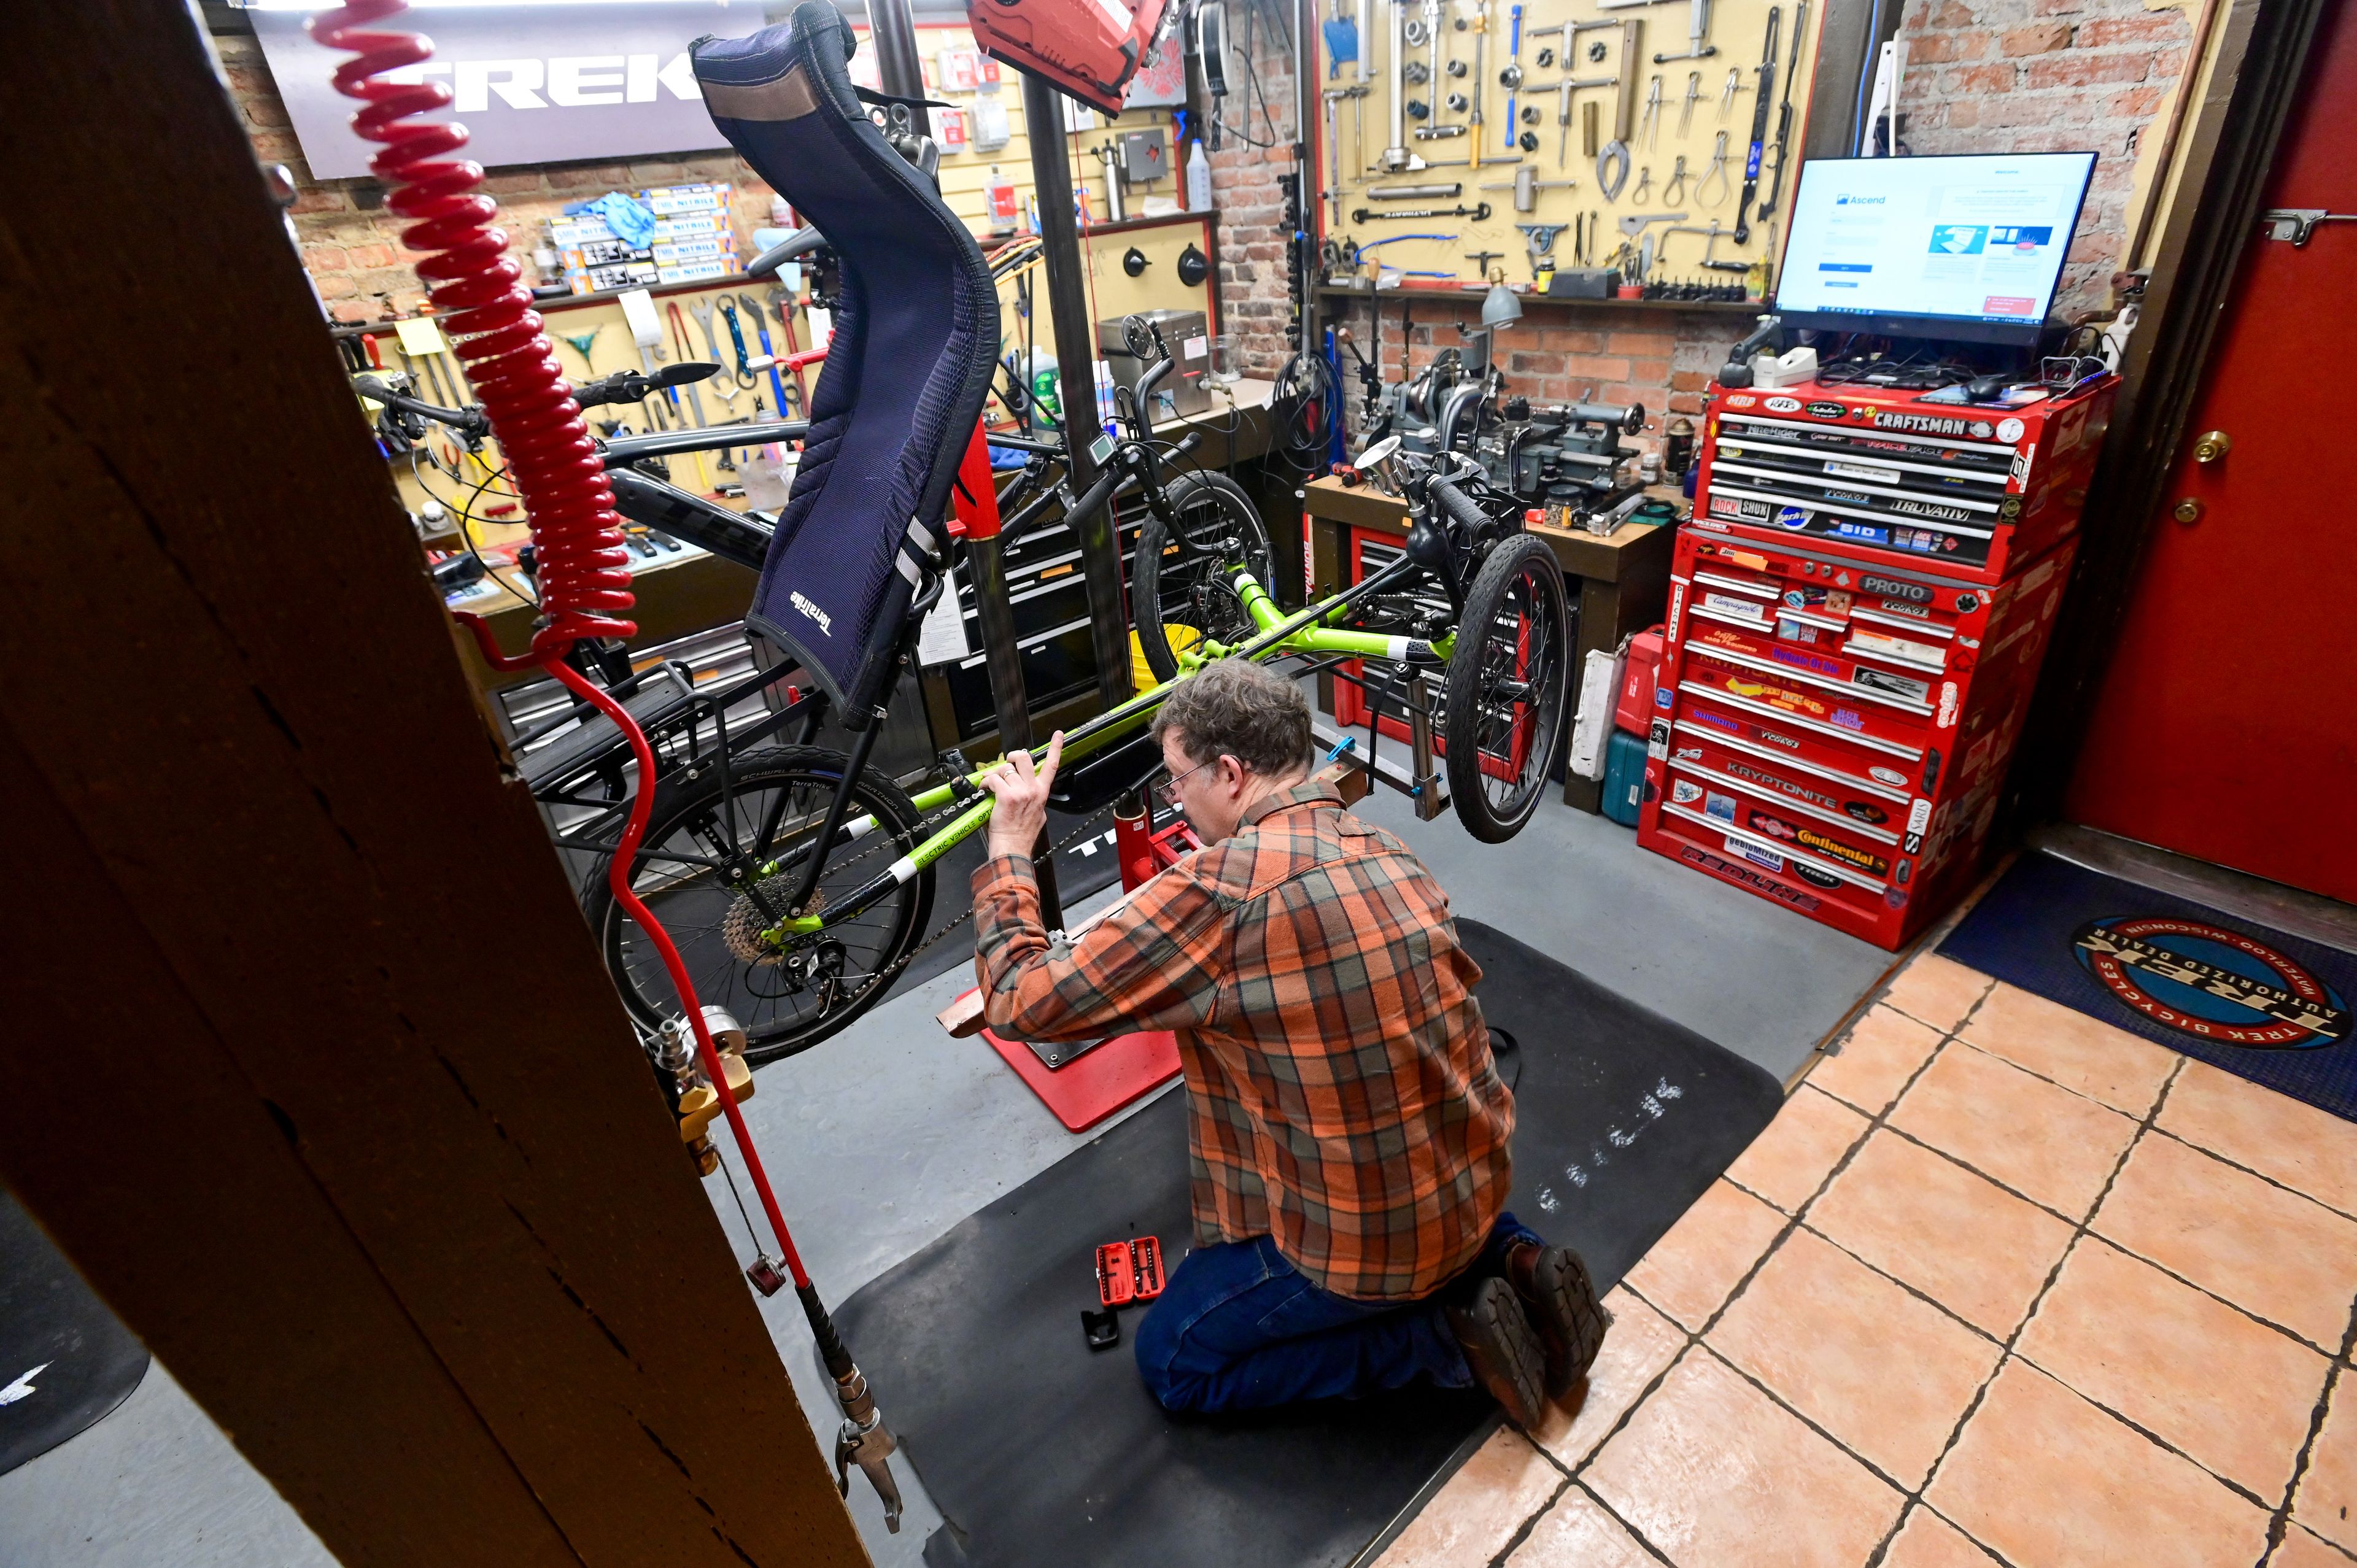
x: 1964, y: 247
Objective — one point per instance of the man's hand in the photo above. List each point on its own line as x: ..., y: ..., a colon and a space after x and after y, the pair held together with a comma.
x: 1021, y: 814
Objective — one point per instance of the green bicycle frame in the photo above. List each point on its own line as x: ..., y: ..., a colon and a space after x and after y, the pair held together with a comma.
x: 1279, y: 636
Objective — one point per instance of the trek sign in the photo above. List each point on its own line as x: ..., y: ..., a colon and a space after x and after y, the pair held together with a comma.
x: 546, y: 82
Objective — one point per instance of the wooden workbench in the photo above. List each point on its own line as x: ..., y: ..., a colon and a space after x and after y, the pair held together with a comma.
x: 1619, y: 582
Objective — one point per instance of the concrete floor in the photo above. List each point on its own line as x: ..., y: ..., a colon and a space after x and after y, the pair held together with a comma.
x: 883, y: 1139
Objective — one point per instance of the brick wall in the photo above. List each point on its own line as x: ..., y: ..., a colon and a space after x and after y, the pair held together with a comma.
x: 1556, y: 354
x: 1252, y: 208
x: 2047, y: 76
x: 354, y: 254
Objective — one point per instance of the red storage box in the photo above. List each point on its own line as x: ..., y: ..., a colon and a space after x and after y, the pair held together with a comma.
x: 1831, y: 731
x: 1634, y: 712
x: 1969, y: 489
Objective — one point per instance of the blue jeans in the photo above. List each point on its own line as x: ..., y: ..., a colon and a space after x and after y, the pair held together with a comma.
x: 1239, y: 1328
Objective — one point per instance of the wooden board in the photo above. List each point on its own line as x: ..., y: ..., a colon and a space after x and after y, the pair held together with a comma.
x: 415, y: 1229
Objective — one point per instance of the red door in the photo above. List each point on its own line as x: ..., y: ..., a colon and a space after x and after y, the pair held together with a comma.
x: 2226, y: 728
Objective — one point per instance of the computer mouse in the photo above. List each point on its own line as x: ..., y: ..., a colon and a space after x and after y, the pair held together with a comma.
x: 1986, y: 389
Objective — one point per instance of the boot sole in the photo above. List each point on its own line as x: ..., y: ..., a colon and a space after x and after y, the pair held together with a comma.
x: 1504, y: 1350
x: 1570, y: 1320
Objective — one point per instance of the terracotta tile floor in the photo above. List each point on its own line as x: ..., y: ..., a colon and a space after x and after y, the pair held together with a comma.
x: 2001, y: 1287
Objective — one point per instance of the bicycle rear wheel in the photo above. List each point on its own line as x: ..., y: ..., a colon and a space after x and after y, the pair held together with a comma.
x: 704, y: 839
x: 1180, y: 598
x: 1504, y: 701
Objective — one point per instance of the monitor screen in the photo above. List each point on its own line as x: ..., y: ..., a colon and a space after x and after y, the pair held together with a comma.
x: 1968, y: 246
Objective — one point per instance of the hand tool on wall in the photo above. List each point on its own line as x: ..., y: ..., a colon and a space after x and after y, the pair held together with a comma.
x: 1717, y: 171
x: 1432, y: 35
x: 1480, y: 83
x: 1482, y: 260
x: 1540, y: 239
x: 1697, y: 28
x: 1644, y: 191
x: 1758, y: 127
x: 1636, y: 244
x: 686, y: 351
x: 1510, y: 78
x: 1694, y: 91
x: 1449, y: 191
x: 646, y: 332
x: 581, y: 344
x: 702, y: 311
x: 1711, y: 237
x: 746, y: 377
x: 1726, y: 94
x: 1612, y: 163
x: 1784, y: 113
x: 1526, y: 185
x: 1649, y: 130
x: 1675, y: 191
x: 1396, y: 158
x: 1563, y: 90
x: 1477, y: 212
x: 768, y: 355
x: 791, y: 347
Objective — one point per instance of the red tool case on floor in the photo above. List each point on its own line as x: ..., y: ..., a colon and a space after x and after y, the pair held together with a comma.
x: 1842, y: 687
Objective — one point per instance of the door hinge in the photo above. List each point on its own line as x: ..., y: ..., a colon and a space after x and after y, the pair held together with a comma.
x: 2297, y: 224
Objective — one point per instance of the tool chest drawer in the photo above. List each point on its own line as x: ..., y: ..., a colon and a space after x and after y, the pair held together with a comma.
x: 1980, y: 489
x: 1831, y: 732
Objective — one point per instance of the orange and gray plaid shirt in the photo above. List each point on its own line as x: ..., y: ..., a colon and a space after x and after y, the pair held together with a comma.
x: 1342, y: 1096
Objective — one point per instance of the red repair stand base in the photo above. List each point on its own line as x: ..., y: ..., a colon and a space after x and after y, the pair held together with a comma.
x: 1080, y: 1083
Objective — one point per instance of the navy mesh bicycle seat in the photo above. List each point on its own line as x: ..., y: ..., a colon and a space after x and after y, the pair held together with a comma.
x: 916, y: 339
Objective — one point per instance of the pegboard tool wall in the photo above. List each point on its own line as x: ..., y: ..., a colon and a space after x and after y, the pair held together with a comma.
x: 1612, y: 81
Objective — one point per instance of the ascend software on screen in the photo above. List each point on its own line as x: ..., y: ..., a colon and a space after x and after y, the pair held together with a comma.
x: 1971, y: 238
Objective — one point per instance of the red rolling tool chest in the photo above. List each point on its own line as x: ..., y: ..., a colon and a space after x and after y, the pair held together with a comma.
x: 1858, y: 614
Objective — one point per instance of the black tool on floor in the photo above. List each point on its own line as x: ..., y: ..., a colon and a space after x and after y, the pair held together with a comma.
x: 1623, y: 1119
x: 65, y: 1360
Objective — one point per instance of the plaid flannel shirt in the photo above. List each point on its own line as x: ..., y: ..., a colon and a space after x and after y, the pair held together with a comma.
x: 1342, y: 1096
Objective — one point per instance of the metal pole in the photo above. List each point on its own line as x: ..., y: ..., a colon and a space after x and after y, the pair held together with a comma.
x: 986, y: 560
x: 893, y: 33
x: 1076, y: 360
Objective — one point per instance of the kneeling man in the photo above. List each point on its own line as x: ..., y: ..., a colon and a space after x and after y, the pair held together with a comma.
x: 1348, y: 1134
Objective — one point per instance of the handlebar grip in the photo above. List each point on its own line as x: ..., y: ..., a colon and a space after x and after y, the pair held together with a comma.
x: 1461, y: 507
x: 1188, y: 443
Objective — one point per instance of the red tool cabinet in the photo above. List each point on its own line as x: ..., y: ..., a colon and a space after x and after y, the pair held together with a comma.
x: 1858, y: 614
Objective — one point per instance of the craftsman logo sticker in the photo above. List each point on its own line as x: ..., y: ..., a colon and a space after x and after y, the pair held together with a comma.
x: 1928, y: 423
x: 2212, y: 982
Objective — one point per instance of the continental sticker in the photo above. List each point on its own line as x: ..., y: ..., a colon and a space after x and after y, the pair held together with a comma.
x: 1848, y: 854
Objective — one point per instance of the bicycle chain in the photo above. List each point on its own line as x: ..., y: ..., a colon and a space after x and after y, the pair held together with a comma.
x: 1084, y: 831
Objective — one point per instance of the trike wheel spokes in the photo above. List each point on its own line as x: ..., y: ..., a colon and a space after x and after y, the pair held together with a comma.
x: 698, y: 872
x: 1182, y: 590
x: 1504, y: 698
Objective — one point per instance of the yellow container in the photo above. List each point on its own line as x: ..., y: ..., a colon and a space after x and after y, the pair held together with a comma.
x: 1183, y: 639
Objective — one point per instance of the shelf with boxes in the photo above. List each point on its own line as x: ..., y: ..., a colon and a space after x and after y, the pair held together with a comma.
x: 1857, y: 616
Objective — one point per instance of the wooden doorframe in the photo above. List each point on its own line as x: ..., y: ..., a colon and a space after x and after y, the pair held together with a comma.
x: 2227, y: 153
x: 310, y: 1064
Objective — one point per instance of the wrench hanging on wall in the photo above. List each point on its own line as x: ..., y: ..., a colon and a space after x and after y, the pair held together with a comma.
x: 1784, y: 112
x: 1758, y: 127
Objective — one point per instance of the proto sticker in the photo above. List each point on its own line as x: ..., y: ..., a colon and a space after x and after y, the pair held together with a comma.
x: 2211, y: 981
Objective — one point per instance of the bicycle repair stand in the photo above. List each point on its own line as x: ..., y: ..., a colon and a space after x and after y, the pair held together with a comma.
x: 1082, y: 1082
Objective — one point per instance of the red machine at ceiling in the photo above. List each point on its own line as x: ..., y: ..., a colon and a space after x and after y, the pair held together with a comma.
x: 1089, y: 49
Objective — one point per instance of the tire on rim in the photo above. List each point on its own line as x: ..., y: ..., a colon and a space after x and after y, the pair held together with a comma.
x: 704, y: 831
x: 1503, y: 705
x: 1189, y: 593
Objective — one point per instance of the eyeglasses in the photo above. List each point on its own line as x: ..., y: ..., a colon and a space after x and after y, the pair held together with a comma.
x: 1169, y: 791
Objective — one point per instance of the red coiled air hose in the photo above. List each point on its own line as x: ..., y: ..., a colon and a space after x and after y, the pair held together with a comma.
x: 575, y: 532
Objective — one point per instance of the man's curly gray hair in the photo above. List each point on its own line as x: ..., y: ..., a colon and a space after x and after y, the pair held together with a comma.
x: 1236, y: 708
